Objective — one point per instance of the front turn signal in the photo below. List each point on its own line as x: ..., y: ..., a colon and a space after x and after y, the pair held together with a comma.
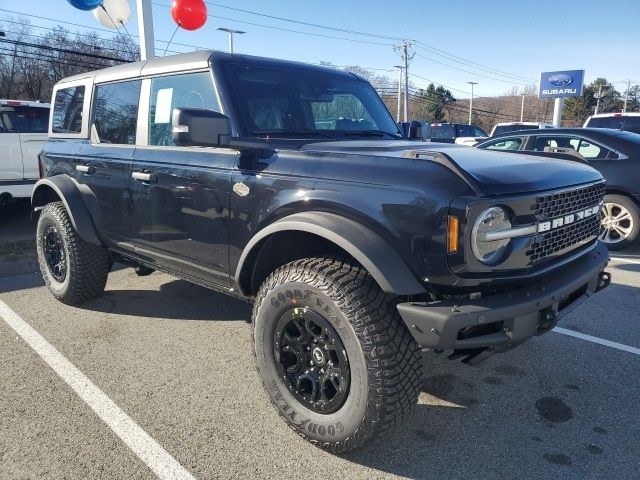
x: 453, y: 231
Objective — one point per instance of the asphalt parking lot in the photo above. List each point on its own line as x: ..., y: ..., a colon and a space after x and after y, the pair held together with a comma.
x: 176, y: 360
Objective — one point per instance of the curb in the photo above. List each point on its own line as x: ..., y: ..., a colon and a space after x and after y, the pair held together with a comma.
x: 18, y: 267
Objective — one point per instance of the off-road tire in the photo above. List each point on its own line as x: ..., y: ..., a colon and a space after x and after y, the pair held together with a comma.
x: 616, y: 202
x: 385, y: 362
x: 87, y: 265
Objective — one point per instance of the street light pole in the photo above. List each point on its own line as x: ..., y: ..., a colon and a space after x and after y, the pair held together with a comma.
x: 230, y: 32
x: 626, y: 97
x: 522, y: 109
x: 399, y: 67
x: 145, y: 30
x: 471, y: 101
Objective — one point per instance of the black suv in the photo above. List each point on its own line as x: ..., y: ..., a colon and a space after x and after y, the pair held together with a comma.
x: 290, y: 185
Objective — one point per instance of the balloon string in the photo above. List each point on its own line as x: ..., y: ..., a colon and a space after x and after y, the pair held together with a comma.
x: 171, y: 39
x: 115, y: 25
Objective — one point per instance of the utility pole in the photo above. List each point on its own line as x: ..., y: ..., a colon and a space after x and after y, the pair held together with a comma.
x: 399, y: 67
x: 626, y: 97
x: 471, y: 101
x: 599, y: 96
x: 404, y: 53
x: 230, y: 31
x: 145, y: 30
x: 522, y: 108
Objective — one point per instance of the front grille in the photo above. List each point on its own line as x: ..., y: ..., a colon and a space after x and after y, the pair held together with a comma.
x: 546, y: 244
x: 562, y: 239
x: 559, y: 204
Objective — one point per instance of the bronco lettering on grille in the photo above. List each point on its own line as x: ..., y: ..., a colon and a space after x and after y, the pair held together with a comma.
x: 567, y: 219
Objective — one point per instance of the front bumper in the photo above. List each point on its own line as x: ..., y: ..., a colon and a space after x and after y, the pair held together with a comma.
x: 477, y: 328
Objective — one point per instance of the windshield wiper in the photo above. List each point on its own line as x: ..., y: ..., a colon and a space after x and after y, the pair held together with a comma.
x: 372, y: 133
x: 282, y: 131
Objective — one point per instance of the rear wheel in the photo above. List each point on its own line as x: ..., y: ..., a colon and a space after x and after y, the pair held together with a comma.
x: 74, y: 270
x: 620, y: 222
x: 333, y: 353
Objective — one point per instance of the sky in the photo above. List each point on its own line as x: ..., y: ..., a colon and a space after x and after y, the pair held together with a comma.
x: 498, y: 44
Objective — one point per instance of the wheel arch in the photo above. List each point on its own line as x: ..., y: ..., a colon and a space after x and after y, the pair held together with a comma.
x: 78, y: 200
x: 314, y: 233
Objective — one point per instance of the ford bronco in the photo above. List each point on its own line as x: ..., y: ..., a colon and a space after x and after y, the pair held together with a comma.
x: 290, y: 185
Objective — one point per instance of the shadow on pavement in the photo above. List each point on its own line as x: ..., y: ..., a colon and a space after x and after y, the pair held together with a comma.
x: 519, y: 416
x: 16, y: 223
x: 176, y: 300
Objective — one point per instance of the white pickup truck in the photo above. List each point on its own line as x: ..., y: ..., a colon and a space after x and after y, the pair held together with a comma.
x: 23, y: 132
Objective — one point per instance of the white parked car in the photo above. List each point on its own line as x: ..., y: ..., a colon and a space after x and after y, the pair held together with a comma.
x: 515, y: 126
x: 629, y: 122
x: 23, y: 132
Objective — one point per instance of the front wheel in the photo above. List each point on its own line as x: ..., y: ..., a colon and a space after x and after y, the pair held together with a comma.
x: 74, y: 270
x: 620, y: 222
x: 333, y: 353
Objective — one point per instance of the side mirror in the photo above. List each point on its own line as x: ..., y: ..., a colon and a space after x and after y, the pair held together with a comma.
x: 200, y: 127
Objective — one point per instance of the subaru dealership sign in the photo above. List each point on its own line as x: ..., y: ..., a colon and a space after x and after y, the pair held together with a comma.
x: 561, y: 84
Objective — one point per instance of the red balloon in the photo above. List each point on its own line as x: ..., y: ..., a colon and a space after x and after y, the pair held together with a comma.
x: 189, y: 14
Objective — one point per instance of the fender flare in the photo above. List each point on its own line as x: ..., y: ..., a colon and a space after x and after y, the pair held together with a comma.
x: 78, y: 200
x: 373, y: 252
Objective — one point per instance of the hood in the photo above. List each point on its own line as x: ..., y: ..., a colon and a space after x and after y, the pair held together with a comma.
x: 489, y: 172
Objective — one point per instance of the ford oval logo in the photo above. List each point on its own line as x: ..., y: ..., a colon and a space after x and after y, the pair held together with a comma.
x: 560, y: 80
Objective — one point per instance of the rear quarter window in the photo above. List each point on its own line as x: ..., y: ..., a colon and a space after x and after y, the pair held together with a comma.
x: 67, y: 110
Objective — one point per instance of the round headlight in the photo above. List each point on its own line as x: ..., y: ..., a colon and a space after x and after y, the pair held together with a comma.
x: 486, y: 250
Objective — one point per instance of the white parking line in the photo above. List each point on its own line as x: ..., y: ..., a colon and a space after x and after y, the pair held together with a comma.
x: 600, y: 341
x: 625, y: 259
x: 139, y: 441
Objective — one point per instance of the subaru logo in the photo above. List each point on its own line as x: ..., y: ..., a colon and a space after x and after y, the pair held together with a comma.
x: 560, y: 80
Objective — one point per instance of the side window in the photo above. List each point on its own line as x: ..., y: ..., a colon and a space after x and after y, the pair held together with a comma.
x: 506, y: 144
x: 187, y: 90
x: 478, y: 132
x: 67, y: 110
x: 116, y: 112
x: 592, y: 151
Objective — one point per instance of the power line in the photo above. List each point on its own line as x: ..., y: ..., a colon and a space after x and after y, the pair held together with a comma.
x: 467, y: 71
x: 64, y: 50
x: 470, y: 63
x: 423, y: 45
x: 96, y: 28
x: 287, y: 29
x: 315, y: 25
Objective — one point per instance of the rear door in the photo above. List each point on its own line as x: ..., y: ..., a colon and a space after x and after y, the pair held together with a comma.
x: 103, y: 163
x: 11, y: 167
x: 596, y: 154
x: 33, y: 135
x: 180, y: 195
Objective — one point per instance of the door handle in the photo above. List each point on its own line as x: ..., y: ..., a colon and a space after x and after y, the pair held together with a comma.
x: 144, y: 177
x: 87, y: 169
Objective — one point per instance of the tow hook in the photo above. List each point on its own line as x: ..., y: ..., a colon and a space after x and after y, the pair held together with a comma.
x: 604, y: 280
x: 548, y: 320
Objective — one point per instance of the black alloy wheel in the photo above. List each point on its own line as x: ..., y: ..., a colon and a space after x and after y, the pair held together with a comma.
x: 312, y: 359
x: 55, y: 253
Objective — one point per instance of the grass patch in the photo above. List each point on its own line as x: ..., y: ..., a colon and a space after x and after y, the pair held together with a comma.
x: 19, y: 250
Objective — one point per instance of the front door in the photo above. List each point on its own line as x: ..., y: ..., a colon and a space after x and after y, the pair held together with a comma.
x: 180, y: 195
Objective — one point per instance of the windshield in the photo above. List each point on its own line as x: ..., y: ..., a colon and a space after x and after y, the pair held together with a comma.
x: 621, y: 122
x: 280, y: 102
x: 512, y: 128
x: 24, y: 120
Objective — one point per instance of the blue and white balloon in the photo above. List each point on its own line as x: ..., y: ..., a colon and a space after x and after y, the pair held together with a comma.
x: 86, y: 4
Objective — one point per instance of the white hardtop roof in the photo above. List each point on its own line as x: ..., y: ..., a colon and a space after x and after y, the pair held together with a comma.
x: 172, y: 63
